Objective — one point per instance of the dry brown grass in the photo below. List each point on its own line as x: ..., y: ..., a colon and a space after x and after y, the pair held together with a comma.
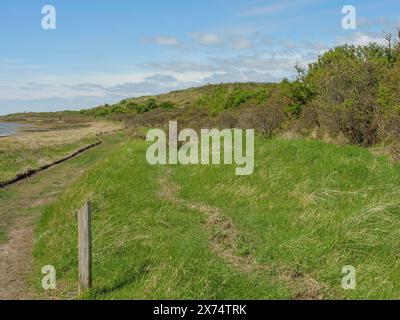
x: 59, y: 135
x: 43, y: 143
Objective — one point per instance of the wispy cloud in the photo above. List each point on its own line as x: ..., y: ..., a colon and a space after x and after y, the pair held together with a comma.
x: 162, y: 41
x: 241, y: 42
x: 207, y: 39
x: 362, y: 39
x: 231, y: 41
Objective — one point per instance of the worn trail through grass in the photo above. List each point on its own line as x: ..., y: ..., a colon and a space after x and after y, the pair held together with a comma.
x: 223, y: 237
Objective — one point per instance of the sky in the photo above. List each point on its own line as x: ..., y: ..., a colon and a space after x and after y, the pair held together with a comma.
x: 108, y: 50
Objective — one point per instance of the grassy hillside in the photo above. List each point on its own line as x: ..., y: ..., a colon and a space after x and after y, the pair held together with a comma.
x: 201, y: 232
x: 212, y: 98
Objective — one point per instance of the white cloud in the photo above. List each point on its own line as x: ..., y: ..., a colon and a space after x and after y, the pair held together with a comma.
x: 241, y: 76
x: 241, y: 42
x: 231, y: 41
x: 167, y: 41
x: 361, y: 39
x: 162, y: 41
x: 207, y: 39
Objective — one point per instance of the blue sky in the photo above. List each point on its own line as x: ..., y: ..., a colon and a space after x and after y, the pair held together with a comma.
x: 104, y: 51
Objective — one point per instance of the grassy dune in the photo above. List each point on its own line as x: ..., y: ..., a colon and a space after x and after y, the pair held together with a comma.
x: 201, y: 232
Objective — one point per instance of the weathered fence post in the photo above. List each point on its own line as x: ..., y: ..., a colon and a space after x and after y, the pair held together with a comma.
x: 85, y: 247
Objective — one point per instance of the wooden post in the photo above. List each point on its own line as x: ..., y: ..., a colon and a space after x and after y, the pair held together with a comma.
x: 85, y: 247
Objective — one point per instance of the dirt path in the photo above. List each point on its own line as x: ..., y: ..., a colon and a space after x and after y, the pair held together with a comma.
x: 223, y: 239
x: 20, y: 207
x: 15, y: 257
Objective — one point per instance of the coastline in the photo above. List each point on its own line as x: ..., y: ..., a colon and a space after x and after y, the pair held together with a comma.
x: 18, y: 128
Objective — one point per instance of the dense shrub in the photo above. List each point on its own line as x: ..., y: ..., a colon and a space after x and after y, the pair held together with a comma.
x: 266, y: 118
x: 353, y: 90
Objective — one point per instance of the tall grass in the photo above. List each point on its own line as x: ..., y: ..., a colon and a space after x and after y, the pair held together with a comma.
x: 309, y: 207
x: 315, y: 208
x: 143, y: 247
x: 17, y: 158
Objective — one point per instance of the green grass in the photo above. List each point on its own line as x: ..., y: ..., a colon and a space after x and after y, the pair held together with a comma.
x: 16, y: 158
x: 309, y: 207
x: 313, y: 207
x: 143, y: 247
x: 24, y: 200
x: 3, y: 235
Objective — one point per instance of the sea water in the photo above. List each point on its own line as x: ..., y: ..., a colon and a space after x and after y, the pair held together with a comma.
x: 7, y: 129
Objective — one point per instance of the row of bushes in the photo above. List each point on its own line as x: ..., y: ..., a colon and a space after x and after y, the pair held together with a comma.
x: 264, y: 117
x: 126, y: 107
